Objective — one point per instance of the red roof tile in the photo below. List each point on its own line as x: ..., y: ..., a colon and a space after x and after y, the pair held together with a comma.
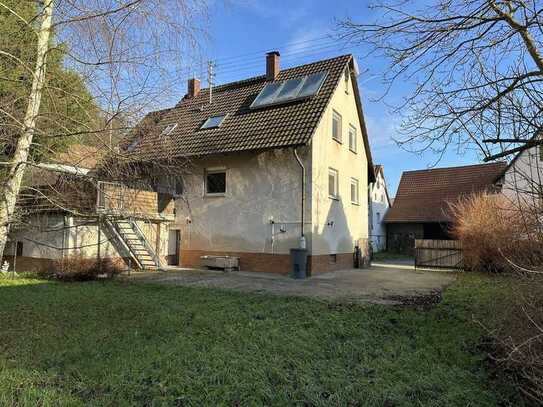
x: 244, y: 129
x: 424, y: 195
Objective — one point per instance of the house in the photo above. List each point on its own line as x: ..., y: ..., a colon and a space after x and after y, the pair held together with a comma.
x: 277, y: 161
x: 379, y: 204
x: 421, y: 206
x: 522, y: 179
x: 67, y: 212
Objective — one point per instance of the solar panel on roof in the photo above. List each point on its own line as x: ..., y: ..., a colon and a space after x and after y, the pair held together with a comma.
x: 312, y: 84
x: 267, y: 95
x: 289, y: 90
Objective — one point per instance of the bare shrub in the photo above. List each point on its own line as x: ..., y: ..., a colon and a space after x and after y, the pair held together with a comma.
x: 481, y: 229
x: 496, y: 234
x: 518, y: 335
x: 79, y: 268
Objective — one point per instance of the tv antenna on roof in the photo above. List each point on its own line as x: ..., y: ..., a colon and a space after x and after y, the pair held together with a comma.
x: 210, y: 78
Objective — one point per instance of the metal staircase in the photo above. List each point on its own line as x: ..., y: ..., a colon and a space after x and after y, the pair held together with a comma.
x: 131, y: 237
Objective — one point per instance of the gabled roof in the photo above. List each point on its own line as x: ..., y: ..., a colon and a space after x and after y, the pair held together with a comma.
x: 244, y: 129
x: 424, y: 195
x: 379, y: 169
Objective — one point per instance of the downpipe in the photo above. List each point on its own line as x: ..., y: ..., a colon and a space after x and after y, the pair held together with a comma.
x: 302, y: 234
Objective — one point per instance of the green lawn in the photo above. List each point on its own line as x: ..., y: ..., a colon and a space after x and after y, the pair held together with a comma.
x: 126, y: 344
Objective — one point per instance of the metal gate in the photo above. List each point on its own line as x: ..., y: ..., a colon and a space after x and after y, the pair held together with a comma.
x: 445, y: 254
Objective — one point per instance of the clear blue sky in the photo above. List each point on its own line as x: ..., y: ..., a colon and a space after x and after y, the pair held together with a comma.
x: 242, y: 30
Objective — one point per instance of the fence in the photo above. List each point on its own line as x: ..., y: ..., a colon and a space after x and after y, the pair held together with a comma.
x: 438, y: 254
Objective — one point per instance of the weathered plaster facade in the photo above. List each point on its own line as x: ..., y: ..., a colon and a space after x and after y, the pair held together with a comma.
x: 260, y: 213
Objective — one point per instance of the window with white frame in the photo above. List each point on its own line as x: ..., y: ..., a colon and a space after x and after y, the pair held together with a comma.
x: 333, y: 183
x: 354, y: 191
x: 352, y: 138
x: 215, y: 182
x: 336, y: 126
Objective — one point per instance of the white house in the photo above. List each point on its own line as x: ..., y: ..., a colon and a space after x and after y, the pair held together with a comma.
x: 379, y: 203
x: 273, y: 158
x: 522, y: 179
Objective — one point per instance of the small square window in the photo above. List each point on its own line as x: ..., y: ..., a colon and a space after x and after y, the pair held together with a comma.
x: 352, y: 138
x: 213, y: 122
x: 354, y: 191
x: 215, y: 183
x: 336, y: 126
x: 168, y: 129
x: 333, y: 183
x: 332, y: 258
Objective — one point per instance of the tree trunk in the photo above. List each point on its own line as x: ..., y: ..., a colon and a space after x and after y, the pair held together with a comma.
x: 12, y: 185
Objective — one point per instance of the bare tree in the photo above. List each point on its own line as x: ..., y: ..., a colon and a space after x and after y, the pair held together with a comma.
x: 474, y: 71
x: 130, y: 55
x: 474, y: 77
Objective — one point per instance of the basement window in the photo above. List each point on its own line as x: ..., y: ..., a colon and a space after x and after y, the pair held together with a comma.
x: 215, y: 182
x: 213, y: 122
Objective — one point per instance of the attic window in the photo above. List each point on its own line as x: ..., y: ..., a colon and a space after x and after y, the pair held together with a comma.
x: 168, y: 129
x: 213, y: 122
x: 133, y: 144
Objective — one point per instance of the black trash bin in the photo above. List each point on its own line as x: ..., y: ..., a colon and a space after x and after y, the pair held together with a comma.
x: 298, y: 258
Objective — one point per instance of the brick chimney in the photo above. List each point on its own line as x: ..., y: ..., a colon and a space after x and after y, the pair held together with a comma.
x: 193, y: 88
x: 272, y: 65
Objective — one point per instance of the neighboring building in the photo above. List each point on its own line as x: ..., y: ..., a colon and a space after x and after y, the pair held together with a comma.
x: 421, y: 208
x: 379, y: 204
x: 67, y: 212
x: 522, y: 179
x: 247, y: 142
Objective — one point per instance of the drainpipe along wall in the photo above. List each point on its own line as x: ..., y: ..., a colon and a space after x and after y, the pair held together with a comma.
x: 302, y: 234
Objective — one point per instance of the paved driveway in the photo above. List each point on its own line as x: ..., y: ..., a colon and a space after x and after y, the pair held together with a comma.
x: 376, y: 284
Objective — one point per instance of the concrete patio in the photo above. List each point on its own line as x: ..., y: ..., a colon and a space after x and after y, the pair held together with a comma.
x: 374, y: 285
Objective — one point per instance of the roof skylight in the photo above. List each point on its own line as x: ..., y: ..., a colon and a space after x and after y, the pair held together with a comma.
x: 289, y: 90
x: 213, y: 122
x: 168, y: 129
x: 133, y: 144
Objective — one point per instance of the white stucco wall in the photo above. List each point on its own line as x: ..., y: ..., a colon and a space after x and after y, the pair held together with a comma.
x: 43, y: 237
x: 336, y: 224
x: 379, y: 207
x: 523, y: 180
x: 260, y: 187
x: 52, y: 235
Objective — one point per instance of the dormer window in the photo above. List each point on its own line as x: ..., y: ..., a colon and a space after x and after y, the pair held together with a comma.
x: 168, y: 129
x: 213, y: 122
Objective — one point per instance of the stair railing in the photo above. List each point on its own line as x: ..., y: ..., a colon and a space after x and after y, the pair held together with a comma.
x: 143, y: 238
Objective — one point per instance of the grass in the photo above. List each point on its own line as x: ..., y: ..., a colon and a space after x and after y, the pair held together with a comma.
x: 115, y: 344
